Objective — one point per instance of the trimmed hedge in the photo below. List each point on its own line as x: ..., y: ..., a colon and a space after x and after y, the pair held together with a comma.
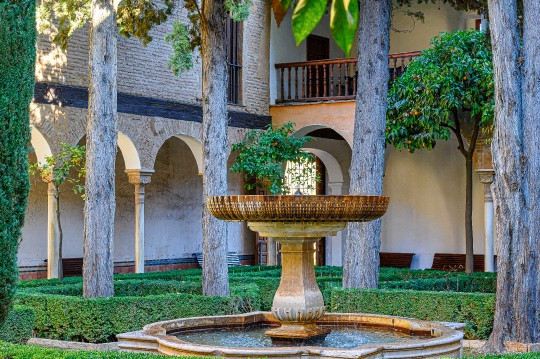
x: 61, y: 312
x: 463, y: 283
x: 98, y: 320
x: 32, y: 352
x: 476, y: 310
x: 17, y: 74
x: 18, y: 326
x: 10, y: 351
x: 124, y: 288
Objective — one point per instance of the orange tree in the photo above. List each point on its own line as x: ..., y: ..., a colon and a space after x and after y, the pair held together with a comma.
x: 448, y: 89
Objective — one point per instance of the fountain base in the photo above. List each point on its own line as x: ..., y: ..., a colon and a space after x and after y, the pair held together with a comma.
x: 297, y: 332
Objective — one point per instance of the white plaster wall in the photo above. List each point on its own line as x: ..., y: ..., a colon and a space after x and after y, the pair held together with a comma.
x: 438, y: 18
x: 283, y: 47
x: 173, y: 214
x: 427, y: 203
x: 241, y: 239
x: 33, y: 248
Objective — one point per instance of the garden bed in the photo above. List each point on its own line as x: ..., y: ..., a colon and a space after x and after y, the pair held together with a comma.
x: 62, y: 313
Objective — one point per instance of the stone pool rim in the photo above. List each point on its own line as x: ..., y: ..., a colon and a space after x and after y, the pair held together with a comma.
x: 446, y: 340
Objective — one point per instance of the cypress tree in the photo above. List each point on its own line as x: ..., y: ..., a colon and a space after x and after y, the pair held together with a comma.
x: 17, y: 61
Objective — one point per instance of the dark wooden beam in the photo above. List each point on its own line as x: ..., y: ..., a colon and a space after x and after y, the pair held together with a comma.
x: 72, y: 96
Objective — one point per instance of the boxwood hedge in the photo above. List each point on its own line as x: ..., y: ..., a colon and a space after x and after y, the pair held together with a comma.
x: 18, y: 325
x: 62, y: 313
x: 98, y: 320
x: 476, y: 310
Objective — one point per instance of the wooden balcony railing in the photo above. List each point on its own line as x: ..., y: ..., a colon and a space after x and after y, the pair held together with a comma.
x: 324, y: 80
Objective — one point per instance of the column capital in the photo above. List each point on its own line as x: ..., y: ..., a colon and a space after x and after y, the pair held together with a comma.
x: 139, y: 176
x: 486, y: 175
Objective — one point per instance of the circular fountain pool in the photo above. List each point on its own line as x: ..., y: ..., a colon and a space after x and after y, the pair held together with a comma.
x: 343, y: 337
x: 352, y: 336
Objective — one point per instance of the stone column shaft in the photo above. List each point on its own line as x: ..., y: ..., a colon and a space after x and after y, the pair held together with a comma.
x: 53, y: 234
x: 139, y: 228
x: 486, y: 177
x: 139, y: 179
x: 271, y: 252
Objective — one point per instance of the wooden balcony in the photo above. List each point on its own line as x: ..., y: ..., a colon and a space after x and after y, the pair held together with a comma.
x: 326, y: 80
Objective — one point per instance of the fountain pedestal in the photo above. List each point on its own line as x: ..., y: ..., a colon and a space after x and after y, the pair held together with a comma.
x: 298, y: 302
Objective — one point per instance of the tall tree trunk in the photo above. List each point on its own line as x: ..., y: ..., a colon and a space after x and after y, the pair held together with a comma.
x: 215, y: 278
x: 101, y: 138
x: 469, y: 243
x: 361, y: 265
x: 516, y: 163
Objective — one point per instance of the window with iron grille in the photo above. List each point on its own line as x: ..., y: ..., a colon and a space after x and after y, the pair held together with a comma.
x: 234, y: 61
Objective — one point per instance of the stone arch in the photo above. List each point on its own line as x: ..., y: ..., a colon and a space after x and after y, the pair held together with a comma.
x: 335, y: 173
x: 303, y: 131
x: 196, y: 148
x: 129, y: 152
x: 40, y: 144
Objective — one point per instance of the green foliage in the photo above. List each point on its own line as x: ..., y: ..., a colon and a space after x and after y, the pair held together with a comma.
x: 343, y: 20
x: 17, y: 62
x: 306, y: 16
x: 61, y: 312
x: 263, y: 155
x: 438, y: 87
x: 343, y: 23
x: 137, y: 17
x: 69, y: 15
x: 238, y: 9
x: 181, y: 59
x: 134, y: 17
x: 18, y: 326
x: 463, y: 284
x: 476, y: 310
x: 99, y: 320
x: 58, y: 168
x: 185, y: 39
x: 125, y: 288
x: 12, y: 351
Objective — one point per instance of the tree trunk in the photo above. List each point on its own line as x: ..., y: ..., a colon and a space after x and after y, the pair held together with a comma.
x: 60, y: 235
x: 469, y: 243
x: 215, y: 278
x: 516, y: 163
x: 101, y: 142
x: 361, y: 264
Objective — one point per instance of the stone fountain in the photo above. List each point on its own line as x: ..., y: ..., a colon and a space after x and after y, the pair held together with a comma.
x: 297, y: 223
x: 298, y: 323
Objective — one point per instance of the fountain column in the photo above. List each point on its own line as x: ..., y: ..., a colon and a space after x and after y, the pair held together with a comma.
x: 298, y: 302
x: 486, y: 177
x: 139, y: 179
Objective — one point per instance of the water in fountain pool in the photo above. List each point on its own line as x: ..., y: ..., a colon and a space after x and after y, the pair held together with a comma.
x: 254, y: 337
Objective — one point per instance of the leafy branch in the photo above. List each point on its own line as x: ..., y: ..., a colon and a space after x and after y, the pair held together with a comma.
x: 59, y: 169
x: 186, y: 39
x: 264, y: 155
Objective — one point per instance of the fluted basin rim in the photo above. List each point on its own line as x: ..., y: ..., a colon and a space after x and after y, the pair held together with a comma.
x: 286, y: 208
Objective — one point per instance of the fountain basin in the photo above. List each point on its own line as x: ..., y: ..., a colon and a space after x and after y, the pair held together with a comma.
x: 297, y: 223
x: 436, y: 339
